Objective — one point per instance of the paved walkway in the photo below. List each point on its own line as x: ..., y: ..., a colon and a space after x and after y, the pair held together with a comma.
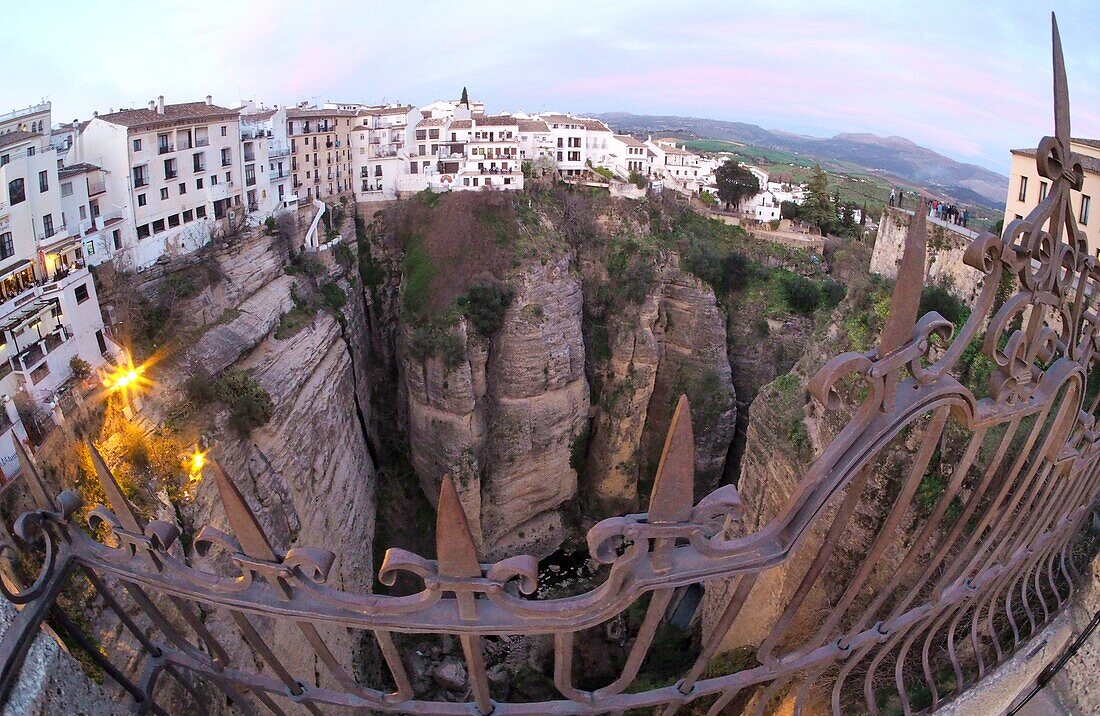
x: 947, y: 225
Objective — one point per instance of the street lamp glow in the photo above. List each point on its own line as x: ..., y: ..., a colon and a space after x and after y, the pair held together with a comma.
x: 198, y: 460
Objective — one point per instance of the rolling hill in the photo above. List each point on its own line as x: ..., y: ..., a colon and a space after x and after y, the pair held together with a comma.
x: 894, y: 156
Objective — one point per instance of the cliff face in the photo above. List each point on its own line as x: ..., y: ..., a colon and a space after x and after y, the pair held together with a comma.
x: 503, y: 420
x: 301, y: 494
x: 673, y: 342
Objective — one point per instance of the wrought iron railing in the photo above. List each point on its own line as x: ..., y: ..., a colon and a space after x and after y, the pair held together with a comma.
x: 950, y: 579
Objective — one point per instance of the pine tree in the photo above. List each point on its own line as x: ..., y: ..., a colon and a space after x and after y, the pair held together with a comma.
x: 465, y: 98
x: 818, y: 209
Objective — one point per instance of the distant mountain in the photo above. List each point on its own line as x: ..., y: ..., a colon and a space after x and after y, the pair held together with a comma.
x: 896, y: 156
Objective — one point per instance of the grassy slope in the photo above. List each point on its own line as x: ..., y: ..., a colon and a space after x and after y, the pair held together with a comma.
x: 857, y: 185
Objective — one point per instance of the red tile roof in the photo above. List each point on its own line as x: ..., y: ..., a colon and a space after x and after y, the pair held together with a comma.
x: 15, y: 137
x: 195, y: 111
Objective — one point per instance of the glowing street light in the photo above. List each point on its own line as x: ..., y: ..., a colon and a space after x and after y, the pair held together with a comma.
x: 129, y: 380
x: 197, y: 461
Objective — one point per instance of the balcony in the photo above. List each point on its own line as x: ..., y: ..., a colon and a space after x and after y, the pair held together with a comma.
x: 139, y: 182
x: 96, y: 188
x: 200, y: 168
x: 165, y: 148
x: 171, y: 174
x: 275, y: 153
x: 202, y: 142
x: 250, y: 181
x: 249, y: 157
x: 276, y: 175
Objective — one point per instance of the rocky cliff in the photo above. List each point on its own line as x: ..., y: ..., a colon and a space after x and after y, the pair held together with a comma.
x: 503, y: 419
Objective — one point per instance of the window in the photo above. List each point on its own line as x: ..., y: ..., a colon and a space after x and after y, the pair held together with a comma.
x: 229, y: 177
x: 200, y: 212
x: 213, y: 180
x: 1023, y: 189
x: 173, y: 221
x: 83, y: 213
x: 43, y: 182
x: 81, y: 293
x: 170, y: 169
x: 1086, y: 201
x: 116, y: 237
x: 227, y: 156
x: 40, y: 372
x: 7, y: 246
x: 1042, y: 190
x: 143, y: 231
x: 141, y: 200
x: 141, y: 176
x: 17, y: 192
x: 163, y: 193
x: 188, y: 216
x: 198, y: 183
x: 183, y: 188
x: 421, y: 134
x: 223, y: 130
x: 137, y: 145
x: 197, y: 162
x: 158, y: 226
x: 47, y: 225
x: 67, y: 189
x: 89, y: 247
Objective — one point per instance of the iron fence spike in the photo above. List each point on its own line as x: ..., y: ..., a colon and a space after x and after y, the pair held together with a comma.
x: 907, y: 289
x: 31, y: 476
x: 119, y: 504
x: 246, y: 528
x: 1061, y: 87
x: 673, y: 495
x: 454, y: 544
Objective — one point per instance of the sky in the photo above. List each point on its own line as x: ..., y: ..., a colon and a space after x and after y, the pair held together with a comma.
x: 968, y: 79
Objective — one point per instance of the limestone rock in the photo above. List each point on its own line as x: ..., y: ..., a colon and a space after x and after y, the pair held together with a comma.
x: 503, y: 421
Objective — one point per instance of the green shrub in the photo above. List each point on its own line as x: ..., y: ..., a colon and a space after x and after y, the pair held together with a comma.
x: 802, y: 294
x: 250, y: 405
x: 578, y: 450
x: 832, y: 293
x: 638, y: 179
x: 269, y: 225
x: 332, y: 296
x: 81, y: 368
x: 343, y: 255
x: 938, y: 298
x: 485, y: 304
x: 437, y: 342
x: 708, y: 199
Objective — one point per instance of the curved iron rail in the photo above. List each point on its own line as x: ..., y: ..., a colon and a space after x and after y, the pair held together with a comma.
x: 972, y: 587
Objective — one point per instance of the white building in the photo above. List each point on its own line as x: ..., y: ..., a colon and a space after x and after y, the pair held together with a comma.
x: 579, y: 142
x: 266, y: 131
x: 175, y: 170
x: 627, y: 155
x: 378, y: 149
x: 49, y: 311
x: 680, y: 169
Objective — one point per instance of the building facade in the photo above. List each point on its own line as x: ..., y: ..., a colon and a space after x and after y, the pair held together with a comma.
x: 175, y: 170
x: 49, y: 310
x: 320, y: 151
x: 1026, y: 188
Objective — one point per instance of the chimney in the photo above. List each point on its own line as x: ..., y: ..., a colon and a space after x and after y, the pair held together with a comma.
x: 152, y: 105
x: 95, y: 113
x: 209, y: 100
x: 160, y: 104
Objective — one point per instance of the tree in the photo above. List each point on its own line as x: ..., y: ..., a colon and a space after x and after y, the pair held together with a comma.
x: 818, y: 209
x: 465, y: 98
x: 735, y: 183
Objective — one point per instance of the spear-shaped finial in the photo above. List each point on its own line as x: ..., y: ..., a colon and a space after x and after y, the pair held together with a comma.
x: 119, y: 504
x: 31, y: 477
x: 907, y: 289
x: 1061, y: 88
x: 246, y: 528
x: 673, y: 489
x: 454, y: 545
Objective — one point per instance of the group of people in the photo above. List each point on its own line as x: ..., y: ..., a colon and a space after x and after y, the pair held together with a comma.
x: 948, y: 213
x: 936, y: 209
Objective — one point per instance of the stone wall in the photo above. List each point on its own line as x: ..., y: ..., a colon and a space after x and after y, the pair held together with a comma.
x: 943, y: 263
